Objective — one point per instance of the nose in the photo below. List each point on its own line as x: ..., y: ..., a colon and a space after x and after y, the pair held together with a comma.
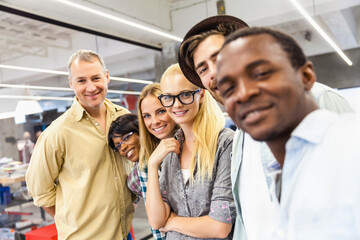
x: 212, y: 71
x: 156, y: 120
x: 177, y: 103
x: 246, y: 90
x: 123, y: 147
x: 90, y: 87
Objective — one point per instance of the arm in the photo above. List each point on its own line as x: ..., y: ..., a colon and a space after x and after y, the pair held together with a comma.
x: 133, y: 181
x: 50, y: 210
x: 158, y: 211
x: 43, y: 171
x: 197, y: 226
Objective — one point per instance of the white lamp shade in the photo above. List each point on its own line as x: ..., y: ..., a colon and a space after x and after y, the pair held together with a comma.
x: 27, y: 107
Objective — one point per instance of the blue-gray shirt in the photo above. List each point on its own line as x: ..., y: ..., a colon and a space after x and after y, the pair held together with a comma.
x: 211, y: 197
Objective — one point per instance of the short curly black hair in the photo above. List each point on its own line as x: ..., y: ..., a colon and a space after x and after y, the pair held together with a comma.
x: 122, y: 125
x: 288, y: 44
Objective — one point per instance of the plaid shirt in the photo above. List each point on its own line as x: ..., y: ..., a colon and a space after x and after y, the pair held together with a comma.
x: 137, y: 183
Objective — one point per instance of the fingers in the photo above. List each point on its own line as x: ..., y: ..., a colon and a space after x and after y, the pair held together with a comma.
x: 170, y: 145
x: 164, y: 148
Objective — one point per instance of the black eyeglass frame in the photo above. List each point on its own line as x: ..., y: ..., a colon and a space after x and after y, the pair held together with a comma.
x: 117, y: 147
x: 178, y: 97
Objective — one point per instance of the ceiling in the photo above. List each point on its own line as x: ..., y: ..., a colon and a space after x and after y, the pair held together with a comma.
x: 32, y: 43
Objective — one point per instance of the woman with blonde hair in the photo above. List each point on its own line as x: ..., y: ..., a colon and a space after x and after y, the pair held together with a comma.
x: 154, y: 124
x: 193, y: 195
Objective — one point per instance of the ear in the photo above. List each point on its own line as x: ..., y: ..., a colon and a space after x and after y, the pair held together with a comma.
x: 308, y: 75
x: 70, y: 82
x: 202, y: 95
x: 107, y: 76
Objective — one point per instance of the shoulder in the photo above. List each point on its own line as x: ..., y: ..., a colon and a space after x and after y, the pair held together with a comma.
x: 226, y: 136
x: 116, y: 109
x: 349, y: 122
x: 329, y: 99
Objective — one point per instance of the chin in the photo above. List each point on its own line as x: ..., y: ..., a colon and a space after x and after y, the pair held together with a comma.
x: 134, y: 159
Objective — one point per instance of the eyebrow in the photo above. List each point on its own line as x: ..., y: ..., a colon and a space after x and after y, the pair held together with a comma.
x: 247, y: 68
x: 203, y: 62
x: 256, y: 63
x: 183, y: 91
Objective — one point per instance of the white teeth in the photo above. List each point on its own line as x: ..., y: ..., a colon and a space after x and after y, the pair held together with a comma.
x: 252, y: 114
x: 128, y: 155
x: 159, y: 129
x: 179, y: 113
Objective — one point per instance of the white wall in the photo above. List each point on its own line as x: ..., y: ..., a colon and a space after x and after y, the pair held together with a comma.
x: 353, y: 96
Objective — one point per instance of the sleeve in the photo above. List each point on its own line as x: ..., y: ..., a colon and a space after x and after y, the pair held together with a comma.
x: 222, y: 206
x: 329, y: 99
x: 133, y: 182
x: 43, y: 171
x: 163, y: 180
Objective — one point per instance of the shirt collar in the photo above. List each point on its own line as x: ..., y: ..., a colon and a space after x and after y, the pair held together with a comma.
x: 314, y: 126
x: 80, y: 112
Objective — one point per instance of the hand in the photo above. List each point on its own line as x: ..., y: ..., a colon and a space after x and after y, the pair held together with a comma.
x: 165, y: 146
x: 167, y: 226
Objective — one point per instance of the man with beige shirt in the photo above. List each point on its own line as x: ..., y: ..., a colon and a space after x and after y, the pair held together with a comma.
x: 73, y: 174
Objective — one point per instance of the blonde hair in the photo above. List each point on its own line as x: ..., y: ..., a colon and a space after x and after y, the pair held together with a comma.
x: 207, y: 125
x: 148, y: 142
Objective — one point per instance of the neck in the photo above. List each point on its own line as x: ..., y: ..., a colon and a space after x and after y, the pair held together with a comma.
x: 97, y: 112
x: 188, y: 131
x: 277, y: 147
x: 277, y: 144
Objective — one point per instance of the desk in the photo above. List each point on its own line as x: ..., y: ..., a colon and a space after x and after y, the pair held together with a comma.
x: 11, y: 179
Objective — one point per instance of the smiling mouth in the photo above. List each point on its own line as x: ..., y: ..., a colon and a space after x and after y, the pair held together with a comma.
x: 129, y: 153
x: 180, y: 113
x: 213, y: 86
x: 92, y: 95
x: 255, y: 115
x: 159, y: 129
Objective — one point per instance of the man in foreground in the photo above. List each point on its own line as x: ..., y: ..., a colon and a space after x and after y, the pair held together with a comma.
x: 197, y: 59
x: 265, y: 80
x: 73, y: 174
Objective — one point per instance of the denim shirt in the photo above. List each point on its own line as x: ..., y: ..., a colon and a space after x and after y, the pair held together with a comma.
x: 211, y: 197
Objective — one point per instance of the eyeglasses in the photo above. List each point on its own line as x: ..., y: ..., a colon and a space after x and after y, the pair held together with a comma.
x: 124, y: 139
x: 185, y: 98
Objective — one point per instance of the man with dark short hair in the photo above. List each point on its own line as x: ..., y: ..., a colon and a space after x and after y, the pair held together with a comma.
x: 197, y: 60
x: 73, y: 174
x: 265, y: 80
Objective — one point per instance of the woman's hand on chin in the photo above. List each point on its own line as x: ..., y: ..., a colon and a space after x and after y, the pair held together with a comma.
x: 164, y: 148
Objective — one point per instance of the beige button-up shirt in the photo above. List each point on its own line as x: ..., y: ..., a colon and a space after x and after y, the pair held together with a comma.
x: 73, y: 168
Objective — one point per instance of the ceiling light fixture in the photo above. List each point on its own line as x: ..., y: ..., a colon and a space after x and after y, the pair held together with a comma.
x: 322, y: 33
x: 41, y: 98
x: 120, y: 20
x: 60, y: 89
x: 66, y: 73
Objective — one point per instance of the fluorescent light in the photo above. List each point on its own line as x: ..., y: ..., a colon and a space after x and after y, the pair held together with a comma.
x: 120, y: 20
x: 322, y: 33
x: 41, y: 98
x: 66, y: 73
x: 33, y: 69
x: 131, y: 80
x: 60, y: 89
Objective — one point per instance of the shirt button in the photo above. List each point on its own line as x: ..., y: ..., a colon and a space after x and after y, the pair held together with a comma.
x: 96, y: 124
x: 87, y: 118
